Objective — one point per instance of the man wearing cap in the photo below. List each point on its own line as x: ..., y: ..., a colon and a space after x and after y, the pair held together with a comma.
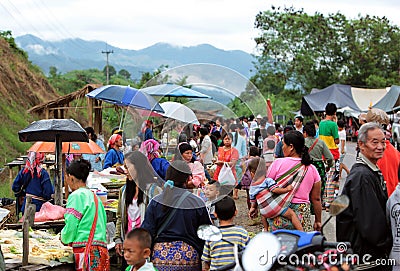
x: 364, y: 223
x: 389, y: 163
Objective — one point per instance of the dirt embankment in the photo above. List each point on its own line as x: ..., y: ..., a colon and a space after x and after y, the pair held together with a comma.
x: 22, y: 86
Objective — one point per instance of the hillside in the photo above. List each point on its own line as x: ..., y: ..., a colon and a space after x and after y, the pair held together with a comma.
x: 79, y: 54
x: 22, y: 86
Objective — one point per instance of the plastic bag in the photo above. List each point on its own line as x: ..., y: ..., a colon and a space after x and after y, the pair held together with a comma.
x: 226, y: 176
x: 49, y: 212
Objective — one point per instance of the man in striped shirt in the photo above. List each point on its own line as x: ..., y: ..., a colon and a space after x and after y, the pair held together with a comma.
x: 221, y: 253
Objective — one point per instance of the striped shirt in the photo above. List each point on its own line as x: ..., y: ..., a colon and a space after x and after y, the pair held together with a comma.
x: 328, y: 132
x: 221, y: 253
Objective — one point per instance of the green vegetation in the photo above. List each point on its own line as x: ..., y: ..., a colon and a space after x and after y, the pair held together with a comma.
x: 5, y: 190
x: 7, y: 35
x: 15, y: 121
x: 301, y: 51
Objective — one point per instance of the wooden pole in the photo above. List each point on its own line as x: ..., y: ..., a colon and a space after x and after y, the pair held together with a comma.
x: 58, y: 196
x: 47, y: 113
x: 90, y: 111
x: 29, y: 216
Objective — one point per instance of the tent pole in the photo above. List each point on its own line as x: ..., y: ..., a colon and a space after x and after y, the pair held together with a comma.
x: 316, y: 117
x: 122, y: 117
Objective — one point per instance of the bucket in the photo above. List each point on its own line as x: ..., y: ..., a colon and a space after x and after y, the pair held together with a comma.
x: 102, y: 196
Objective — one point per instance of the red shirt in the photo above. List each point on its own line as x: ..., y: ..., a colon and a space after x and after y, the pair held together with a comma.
x: 389, y: 165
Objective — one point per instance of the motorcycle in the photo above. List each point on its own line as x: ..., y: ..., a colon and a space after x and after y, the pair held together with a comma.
x: 288, y: 249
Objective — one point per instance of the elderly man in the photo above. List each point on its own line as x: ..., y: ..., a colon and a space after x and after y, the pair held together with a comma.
x: 364, y: 223
x: 390, y: 162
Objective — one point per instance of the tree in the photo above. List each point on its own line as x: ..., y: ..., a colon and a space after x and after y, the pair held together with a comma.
x: 313, y: 51
x: 111, y: 71
x: 124, y: 73
x: 53, y: 73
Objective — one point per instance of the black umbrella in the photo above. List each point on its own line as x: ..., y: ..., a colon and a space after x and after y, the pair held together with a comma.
x: 58, y: 131
x: 67, y: 130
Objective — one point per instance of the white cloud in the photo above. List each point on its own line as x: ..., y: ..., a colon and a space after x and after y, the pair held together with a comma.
x: 137, y: 24
x: 40, y: 50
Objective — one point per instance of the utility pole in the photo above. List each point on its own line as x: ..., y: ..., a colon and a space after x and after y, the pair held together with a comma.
x: 107, y: 52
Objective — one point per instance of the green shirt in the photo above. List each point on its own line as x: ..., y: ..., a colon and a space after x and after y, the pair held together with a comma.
x: 79, y: 217
x: 320, y: 149
x: 328, y: 132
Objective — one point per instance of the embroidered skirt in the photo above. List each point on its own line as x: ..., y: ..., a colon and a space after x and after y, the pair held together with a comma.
x: 174, y: 256
x: 302, y: 211
x: 99, y: 259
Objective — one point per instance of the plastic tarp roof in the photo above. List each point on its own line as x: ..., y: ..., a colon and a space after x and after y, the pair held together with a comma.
x: 336, y: 93
x: 391, y: 101
x: 364, y: 97
x: 345, y: 97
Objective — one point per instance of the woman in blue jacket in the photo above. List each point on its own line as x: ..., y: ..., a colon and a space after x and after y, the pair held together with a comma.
x: 33, y: 181
x: 114, y: 155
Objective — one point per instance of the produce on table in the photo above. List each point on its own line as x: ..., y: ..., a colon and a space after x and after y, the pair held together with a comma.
x: 45, y: 248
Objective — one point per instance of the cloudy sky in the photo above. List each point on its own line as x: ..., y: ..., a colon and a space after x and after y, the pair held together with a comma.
x: 130, y: 24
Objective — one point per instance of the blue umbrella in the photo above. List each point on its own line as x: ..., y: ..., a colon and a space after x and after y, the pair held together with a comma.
x: 173, y: 90
x: 125, y: 96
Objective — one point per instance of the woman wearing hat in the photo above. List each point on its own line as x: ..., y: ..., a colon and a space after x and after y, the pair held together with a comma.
x: 114, y: 155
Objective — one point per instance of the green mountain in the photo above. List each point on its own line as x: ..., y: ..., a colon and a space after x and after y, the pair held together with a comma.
x: 79, y: 54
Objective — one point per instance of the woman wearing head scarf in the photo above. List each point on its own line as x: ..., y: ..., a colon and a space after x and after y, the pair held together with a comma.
x: 150, y: 148
x: 185, y: 153
x: 114, y: 155
x: 33, y: 181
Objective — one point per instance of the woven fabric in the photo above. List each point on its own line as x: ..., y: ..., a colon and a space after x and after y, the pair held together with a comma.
x: 271, y: 204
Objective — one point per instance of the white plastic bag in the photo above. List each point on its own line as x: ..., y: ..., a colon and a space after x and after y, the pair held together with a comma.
x: 226, y: 176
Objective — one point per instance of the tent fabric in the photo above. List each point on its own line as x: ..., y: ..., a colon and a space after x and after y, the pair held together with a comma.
x: 338, y: 94
x: 350, y: 99
x: 364, y: 97
x: 391, y: 101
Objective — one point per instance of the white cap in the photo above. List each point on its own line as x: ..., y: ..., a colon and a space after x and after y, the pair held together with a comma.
x: 259, y: 116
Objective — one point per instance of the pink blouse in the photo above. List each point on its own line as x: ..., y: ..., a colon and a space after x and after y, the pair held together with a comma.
x: 281, y: 165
